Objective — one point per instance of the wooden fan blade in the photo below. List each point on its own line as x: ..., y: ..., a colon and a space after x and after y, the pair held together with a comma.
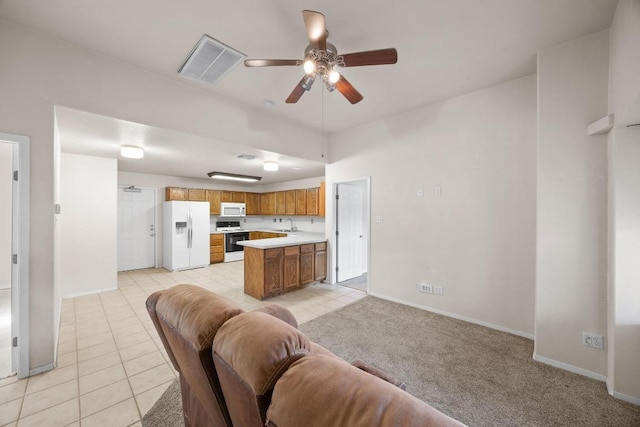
x: 348, y: 90
x: 297, y: 92
x: 316, y: 29
x: 271, y: 62
x: 371, y: 57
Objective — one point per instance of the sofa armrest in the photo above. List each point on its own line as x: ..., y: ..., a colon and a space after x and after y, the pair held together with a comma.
x: 379, y: 373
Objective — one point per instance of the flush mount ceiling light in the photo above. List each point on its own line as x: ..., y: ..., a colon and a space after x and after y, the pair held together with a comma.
x: 270, y: 165
x: 131, y: 152
x: 234, y: 177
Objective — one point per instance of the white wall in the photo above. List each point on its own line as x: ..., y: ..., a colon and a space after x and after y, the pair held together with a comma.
x: 89, y: 224
x: 39, y: 72
x: 477, y: 239
x: 572, y: 202
x: 6, y: 168
x: 623, y: 345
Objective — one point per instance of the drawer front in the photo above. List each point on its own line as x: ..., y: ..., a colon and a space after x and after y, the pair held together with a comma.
x: 216, y: 239
x: 321, y: 246
x: 306, y: 248
x: 217, y: 257
x: 291, y: 250
x: 216, y: 249
x: 273, y: 253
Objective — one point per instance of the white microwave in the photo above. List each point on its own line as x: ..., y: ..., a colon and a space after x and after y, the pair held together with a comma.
x: 233, y: 209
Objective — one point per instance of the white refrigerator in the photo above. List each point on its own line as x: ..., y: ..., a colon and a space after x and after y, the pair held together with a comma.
x: 185, y: 235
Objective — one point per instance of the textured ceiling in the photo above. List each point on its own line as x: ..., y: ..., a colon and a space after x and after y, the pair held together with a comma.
x: 445, y: 48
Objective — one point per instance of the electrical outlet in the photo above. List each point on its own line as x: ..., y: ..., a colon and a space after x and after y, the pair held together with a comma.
x: 438, y: 290
x: 425, y: 287
x: 593, y: 340
x: 597, y: 341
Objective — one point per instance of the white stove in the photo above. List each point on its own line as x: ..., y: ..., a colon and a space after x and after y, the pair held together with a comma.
x: 232, y: 235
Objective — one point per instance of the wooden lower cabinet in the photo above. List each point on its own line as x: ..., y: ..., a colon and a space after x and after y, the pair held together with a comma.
x: 291, y: 268
x: 320, y: 261
x: 306, y: 264
x: 273, y: 271
x: 216, y: 248
x: 269, y: 272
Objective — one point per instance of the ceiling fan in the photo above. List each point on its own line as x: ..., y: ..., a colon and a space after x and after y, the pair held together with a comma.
x: 321, y: 59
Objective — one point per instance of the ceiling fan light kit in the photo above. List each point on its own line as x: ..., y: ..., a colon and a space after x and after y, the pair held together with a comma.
x: 321, y: 59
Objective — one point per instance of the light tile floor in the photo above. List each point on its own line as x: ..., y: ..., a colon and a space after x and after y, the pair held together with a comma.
x: 111, y: 364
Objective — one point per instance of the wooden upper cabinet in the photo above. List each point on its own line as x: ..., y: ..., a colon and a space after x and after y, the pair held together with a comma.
x: 213, y: 197
x: 238, y: 196
x: 290, y: 202
x: 281, y: 203
x: 321, y: 199
x: 301, y: 202
x: 233, y: 196
x: 197, y: 195
x: 176, y: 193
x: 253, y: 203
x: 268, y: 203
x: 312, y: 201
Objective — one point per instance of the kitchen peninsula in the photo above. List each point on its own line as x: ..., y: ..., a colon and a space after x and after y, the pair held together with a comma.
x: 282, y: 264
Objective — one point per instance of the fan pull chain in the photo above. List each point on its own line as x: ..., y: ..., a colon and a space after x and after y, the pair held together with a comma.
x: 322, y: 120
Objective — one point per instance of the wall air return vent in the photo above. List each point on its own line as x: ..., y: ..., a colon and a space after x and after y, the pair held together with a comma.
x: 210, y: 60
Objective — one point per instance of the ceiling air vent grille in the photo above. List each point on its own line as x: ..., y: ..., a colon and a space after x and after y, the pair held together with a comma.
x: 210, y: 60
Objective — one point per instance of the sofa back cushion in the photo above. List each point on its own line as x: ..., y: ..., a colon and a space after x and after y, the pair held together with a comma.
x: 187, y: 318
x: 320, y: 390
x: 251, y: 351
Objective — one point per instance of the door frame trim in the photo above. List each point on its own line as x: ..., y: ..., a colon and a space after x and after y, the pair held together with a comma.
x: 20, y: 246
x: 334, y: 227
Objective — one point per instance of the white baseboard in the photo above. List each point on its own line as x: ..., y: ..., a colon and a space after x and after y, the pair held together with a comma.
x: 41, y: 369
x: 630, y: 399
x: 570, y: 368
x: 622, y: 396
x: 455, y: 316
x: 96, y: 291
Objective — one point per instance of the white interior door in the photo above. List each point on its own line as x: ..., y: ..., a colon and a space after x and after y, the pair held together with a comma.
x: 136, y: 228
x: 350, y: 227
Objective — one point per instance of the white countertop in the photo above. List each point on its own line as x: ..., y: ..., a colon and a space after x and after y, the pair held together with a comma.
x: 293, y: 238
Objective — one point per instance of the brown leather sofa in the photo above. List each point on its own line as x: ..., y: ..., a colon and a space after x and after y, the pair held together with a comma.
x: 187, y: 319
x: 261, y: 370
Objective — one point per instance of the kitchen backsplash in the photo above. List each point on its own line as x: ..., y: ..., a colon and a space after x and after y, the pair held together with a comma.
x: 302, y: 223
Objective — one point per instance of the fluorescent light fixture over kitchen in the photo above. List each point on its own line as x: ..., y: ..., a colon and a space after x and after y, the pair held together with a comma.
x: 234, y: 177
x: 131, y: 152
x: 270, y: 165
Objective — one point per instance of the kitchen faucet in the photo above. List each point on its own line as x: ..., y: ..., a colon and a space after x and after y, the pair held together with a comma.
x: 290, y: 228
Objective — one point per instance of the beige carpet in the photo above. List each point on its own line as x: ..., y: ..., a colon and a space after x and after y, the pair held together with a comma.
x: 477, y: 375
